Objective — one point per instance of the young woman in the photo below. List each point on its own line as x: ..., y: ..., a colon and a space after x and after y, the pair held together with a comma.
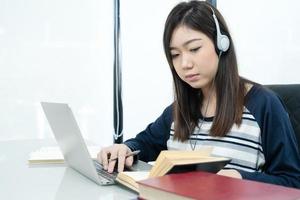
x: 214, y: 106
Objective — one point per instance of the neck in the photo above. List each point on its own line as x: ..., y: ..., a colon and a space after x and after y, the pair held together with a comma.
x: 208, y: 107
x: 209, y: 91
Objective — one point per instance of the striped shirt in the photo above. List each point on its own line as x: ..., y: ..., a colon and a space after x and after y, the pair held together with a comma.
x: 242, y: 144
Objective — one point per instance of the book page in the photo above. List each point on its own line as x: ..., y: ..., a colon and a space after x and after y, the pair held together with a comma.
x: 137, y: 175
x: 52, y: 154
x: 130, y: 178
x: 164, y: 161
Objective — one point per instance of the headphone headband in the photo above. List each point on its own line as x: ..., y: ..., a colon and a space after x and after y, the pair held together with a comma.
x: 223, y: 42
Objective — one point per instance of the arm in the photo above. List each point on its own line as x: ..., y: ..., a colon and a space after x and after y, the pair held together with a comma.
x: 282, y: 164
x: 154, y: 138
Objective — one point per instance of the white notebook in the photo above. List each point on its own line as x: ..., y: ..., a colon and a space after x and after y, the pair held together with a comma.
x: 52, y: 154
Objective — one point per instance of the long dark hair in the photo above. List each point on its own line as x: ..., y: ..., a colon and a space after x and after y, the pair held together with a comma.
x: 230, y: 87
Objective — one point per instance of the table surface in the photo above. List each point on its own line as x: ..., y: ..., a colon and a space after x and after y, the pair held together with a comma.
x: 19, y: 180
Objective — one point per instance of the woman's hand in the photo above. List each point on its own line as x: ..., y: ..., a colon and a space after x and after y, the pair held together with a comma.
x: 230, y: 172
x: 118, y: 151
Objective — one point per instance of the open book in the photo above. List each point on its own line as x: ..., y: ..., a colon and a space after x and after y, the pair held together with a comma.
x: 53, y: 155
x: 175, y: 162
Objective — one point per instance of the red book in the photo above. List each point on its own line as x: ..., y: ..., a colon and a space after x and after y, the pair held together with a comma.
x: 208, y: 186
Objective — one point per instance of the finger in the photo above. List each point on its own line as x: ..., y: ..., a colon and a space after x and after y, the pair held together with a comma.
x: 129, y: 161
x: 111, y: 164
x: 121, y: 160
x: 104, y: 158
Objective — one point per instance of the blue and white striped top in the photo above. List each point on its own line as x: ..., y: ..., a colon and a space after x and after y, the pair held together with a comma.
x: 242, y: 144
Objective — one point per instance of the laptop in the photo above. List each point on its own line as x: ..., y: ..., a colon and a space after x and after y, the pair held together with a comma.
x: 72, y: 145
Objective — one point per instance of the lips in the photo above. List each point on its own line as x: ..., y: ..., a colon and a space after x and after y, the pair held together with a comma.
x: 192, y: 77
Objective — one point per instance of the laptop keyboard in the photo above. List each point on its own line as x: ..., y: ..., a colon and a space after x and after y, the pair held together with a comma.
x: 104, y: 174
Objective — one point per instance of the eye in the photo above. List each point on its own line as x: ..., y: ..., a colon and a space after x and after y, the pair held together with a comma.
x: 195, y: 49
x: 174, y: 55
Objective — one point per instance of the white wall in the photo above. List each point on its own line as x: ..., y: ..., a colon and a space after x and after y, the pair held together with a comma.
x: 51, y: 50
x: 266, y: 35
x: 57, y: 50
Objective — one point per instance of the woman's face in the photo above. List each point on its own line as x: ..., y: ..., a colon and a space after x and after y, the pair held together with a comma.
x: 194, y: 57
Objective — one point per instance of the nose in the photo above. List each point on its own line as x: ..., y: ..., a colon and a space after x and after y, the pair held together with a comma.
x: 186, y: 62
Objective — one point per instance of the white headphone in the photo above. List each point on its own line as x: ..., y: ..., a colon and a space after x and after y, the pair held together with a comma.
x: 223, y: 42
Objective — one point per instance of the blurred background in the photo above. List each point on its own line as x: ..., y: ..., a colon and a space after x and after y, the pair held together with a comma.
x: 62, y: 51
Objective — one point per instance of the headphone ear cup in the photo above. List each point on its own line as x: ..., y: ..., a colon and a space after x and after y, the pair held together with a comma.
x: 223, y: 43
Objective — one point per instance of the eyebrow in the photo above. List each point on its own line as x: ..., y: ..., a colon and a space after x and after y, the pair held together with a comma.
x: 187, y: 42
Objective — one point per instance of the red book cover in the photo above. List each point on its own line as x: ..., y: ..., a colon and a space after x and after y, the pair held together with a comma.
x: 208, y: 186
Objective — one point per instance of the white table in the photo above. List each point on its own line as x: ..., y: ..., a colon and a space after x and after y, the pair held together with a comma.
x: 18, y: 180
